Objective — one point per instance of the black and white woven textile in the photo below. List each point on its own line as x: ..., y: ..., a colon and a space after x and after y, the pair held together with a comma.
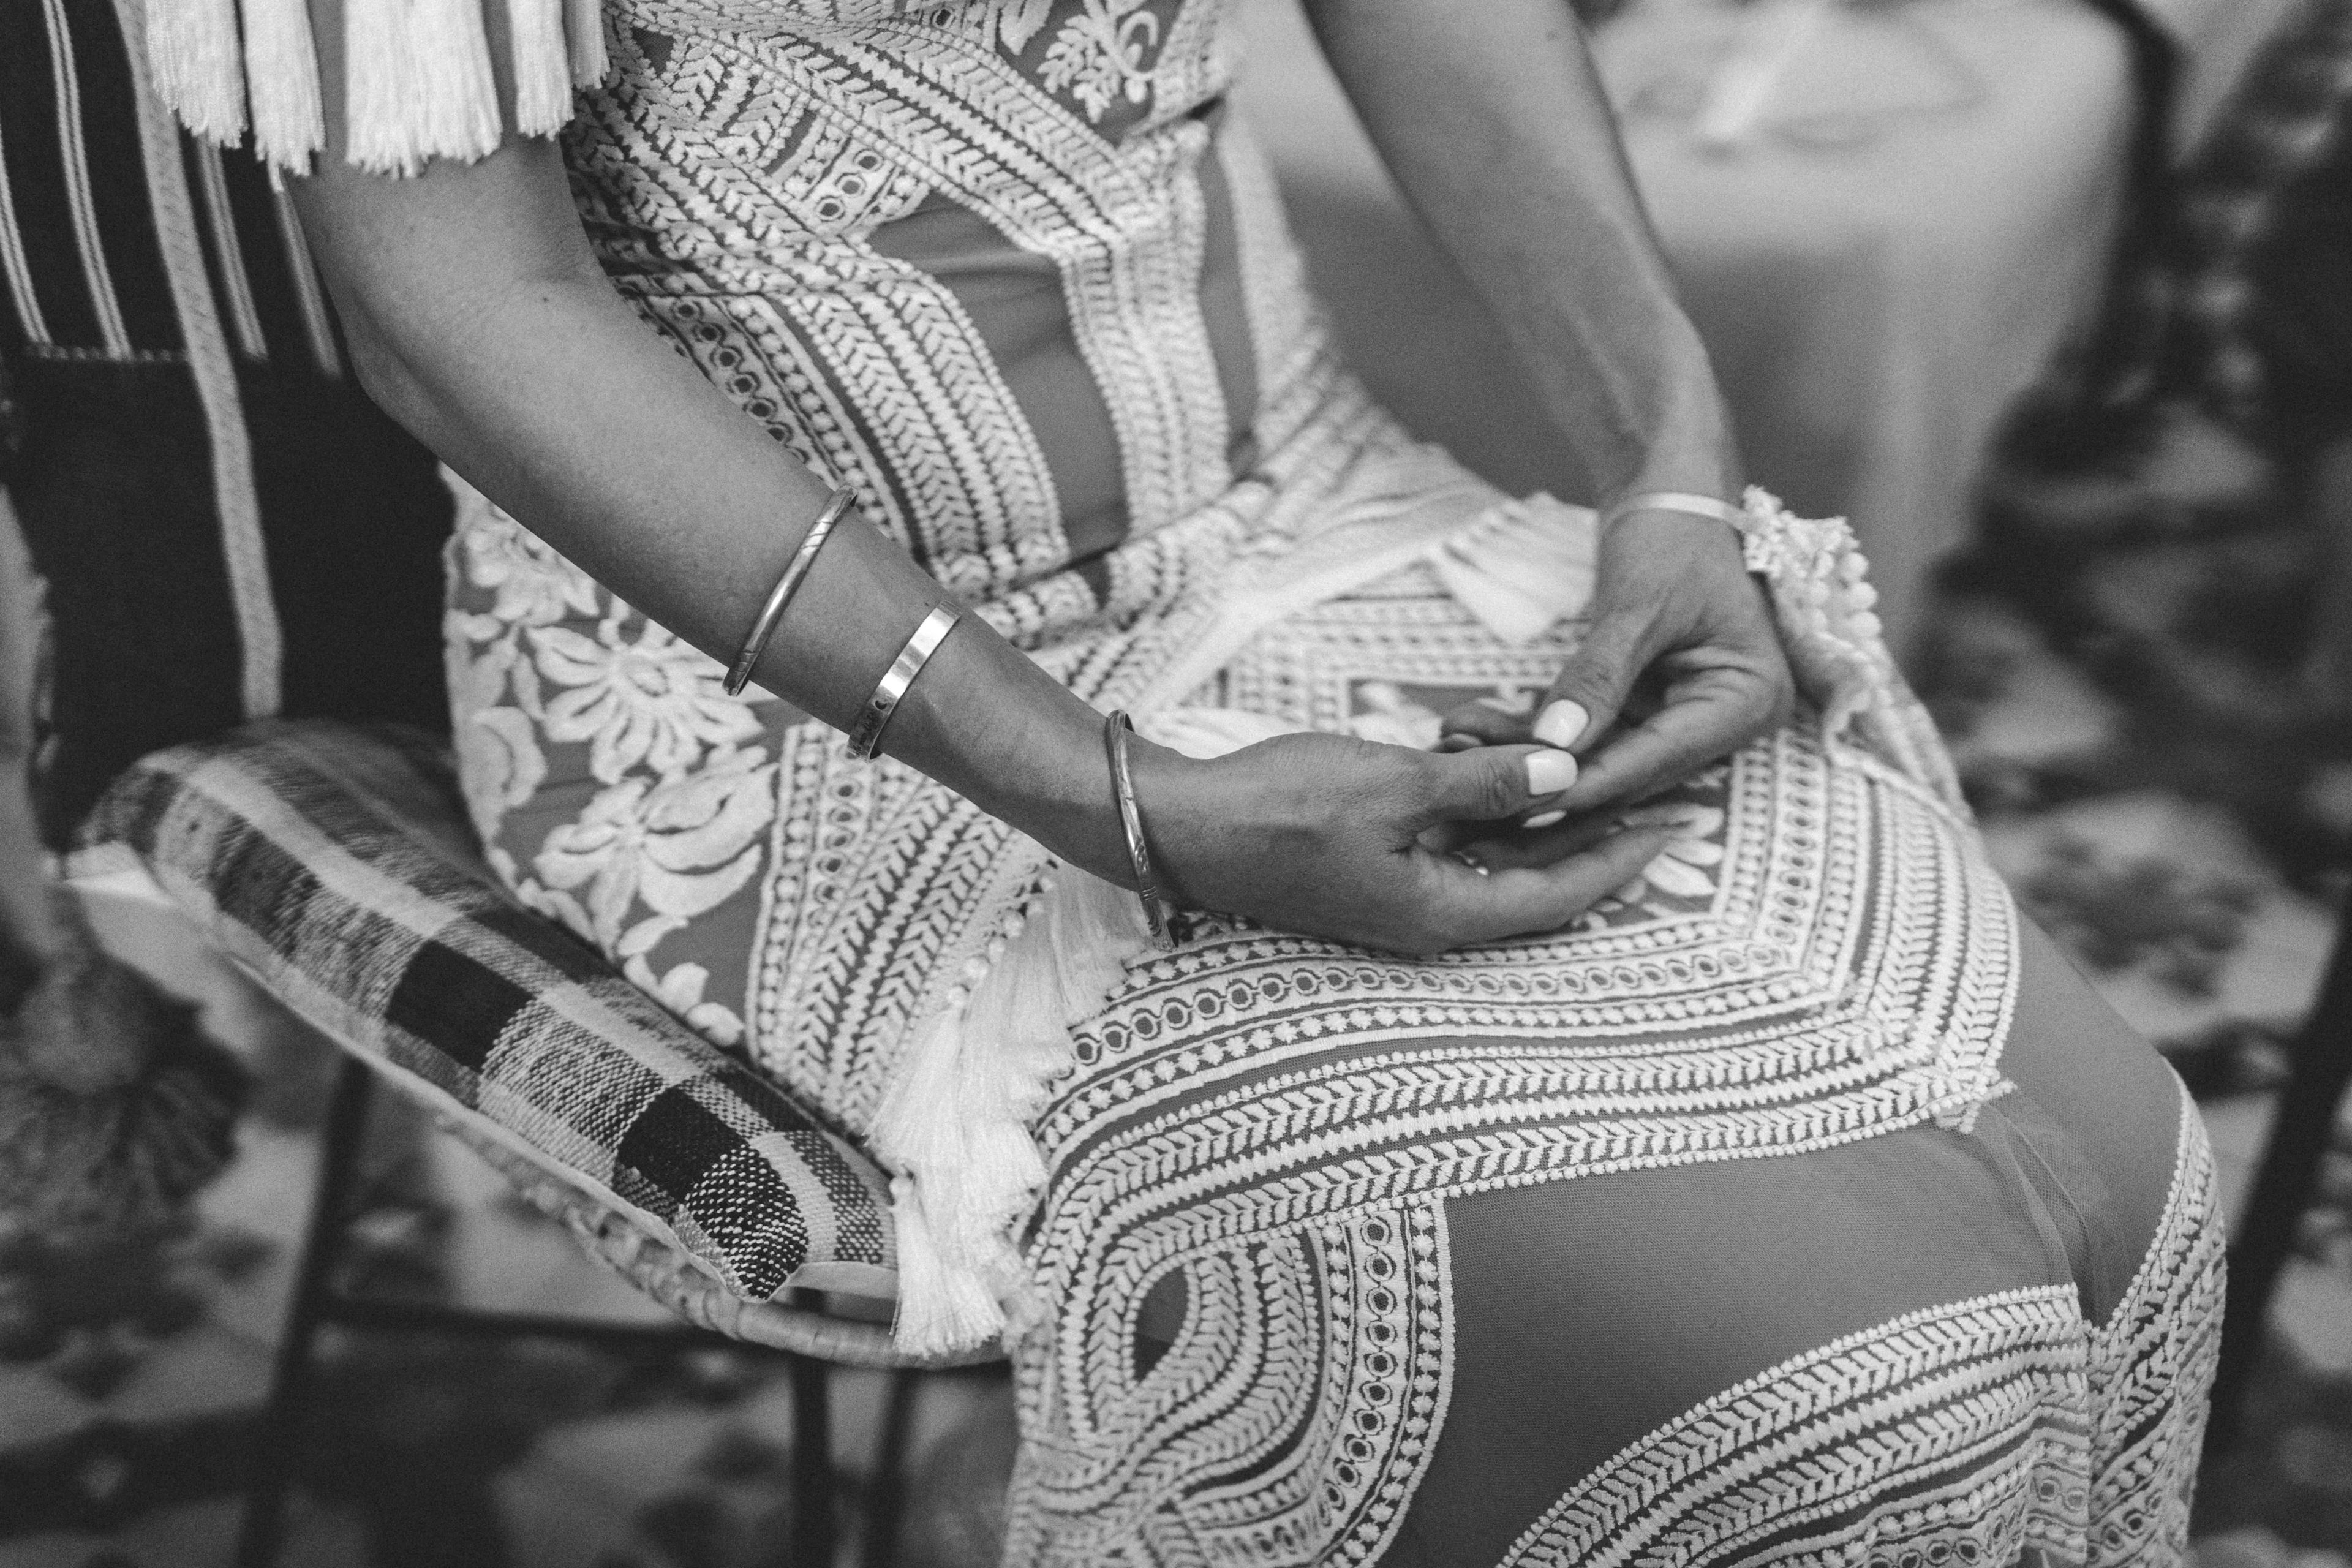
x: 332, y: 862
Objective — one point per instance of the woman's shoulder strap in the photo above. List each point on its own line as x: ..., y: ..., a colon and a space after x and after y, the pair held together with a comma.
x: 418, y: 78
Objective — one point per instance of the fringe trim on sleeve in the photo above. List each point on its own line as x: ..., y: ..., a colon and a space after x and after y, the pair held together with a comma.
x: 418, y: 78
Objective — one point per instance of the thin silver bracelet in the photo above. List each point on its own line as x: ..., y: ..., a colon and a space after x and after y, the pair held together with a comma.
x: 739, y: 673
x: 1130, y: 821
x: 1684, y: 501
x: 865, y: 735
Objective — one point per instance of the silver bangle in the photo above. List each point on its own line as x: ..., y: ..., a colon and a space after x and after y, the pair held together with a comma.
x: 739, y: 673
x: 1723, y: 511
x: 1130, y: 822
x: 865, y: 735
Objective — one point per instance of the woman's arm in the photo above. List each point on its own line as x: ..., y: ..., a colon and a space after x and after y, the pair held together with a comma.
x: 479, y: 318
x: 1492, y: 119
x: 1494, y: 122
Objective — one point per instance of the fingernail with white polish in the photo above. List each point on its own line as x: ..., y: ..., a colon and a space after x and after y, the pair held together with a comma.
x: 1561, y: 723
x: 1549, y: 772
x: 1545, y: 819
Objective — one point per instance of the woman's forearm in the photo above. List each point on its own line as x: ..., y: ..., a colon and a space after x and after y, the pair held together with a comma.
x: 1494, y: 122
x: 478, y: 323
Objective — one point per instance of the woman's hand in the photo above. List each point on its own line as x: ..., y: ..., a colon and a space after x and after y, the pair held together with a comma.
x: 1344, y: 838
x: 1682, y: 666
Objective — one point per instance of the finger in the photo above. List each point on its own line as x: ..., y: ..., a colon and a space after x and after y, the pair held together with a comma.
x: 1591, y: 689
x: 1509, y: 850
x: 1484, y: 722
x: 1519, y: 900
x: 1491, y: 782
x: 1707, y: 716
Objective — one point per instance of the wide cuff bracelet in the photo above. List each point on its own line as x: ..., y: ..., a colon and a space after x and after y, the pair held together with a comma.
x: 865, y: 735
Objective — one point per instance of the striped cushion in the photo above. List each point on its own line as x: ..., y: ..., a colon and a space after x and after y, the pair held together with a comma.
x: 334, y: 864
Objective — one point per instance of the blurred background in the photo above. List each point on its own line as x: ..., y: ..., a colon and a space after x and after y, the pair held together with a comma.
x: 2052, y: 297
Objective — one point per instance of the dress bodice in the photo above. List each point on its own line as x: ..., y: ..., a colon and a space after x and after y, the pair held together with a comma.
x: 1007, y: 269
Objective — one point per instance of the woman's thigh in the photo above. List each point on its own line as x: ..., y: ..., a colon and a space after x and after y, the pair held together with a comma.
x: 1694, y: 1353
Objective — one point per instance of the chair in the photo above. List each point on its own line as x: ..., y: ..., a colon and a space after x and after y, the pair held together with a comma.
x: 332, y: 863
x: 809, y: 1342
x: 2284, y: 1181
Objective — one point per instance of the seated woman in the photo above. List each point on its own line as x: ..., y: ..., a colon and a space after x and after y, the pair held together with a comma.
x: 1727, y: 1174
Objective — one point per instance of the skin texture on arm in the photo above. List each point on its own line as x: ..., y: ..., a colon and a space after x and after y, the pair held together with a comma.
x: 479, y: 318
x: 1492, y: 119
x: 1495, y: 124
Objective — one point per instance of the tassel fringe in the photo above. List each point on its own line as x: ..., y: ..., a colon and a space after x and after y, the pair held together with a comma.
x: 941, y: 1308
x: 198, y: 65
x: 419, y: 84
x: 583, y: 24
x: 543, y: 66
x: 282, y: 68
x: 418, y: 75
x: 956, y: 1123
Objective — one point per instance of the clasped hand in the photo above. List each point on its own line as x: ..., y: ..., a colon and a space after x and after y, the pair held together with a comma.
x: 1363, y: 842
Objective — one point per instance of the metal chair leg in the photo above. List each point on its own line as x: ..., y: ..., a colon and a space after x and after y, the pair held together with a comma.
x: 885, y: 1499
x: 813, y: 1501
x: 270, y: 1463
x: 2298, y: 1142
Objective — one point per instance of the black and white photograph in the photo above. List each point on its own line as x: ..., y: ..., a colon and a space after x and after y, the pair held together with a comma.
x: 1176, y: 784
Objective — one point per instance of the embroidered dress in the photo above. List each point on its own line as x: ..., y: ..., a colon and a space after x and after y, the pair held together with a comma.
x: 1796, y: 1205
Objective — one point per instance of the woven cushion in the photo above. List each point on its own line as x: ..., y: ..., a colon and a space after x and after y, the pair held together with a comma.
x: 332, y: 862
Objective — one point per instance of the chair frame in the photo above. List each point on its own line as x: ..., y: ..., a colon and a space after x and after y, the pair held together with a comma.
x: 2284, y: 1181
x: 811, y: 1345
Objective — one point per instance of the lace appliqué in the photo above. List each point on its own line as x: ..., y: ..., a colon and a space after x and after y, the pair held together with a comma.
x: 2152, y: 1362
x: 1959, y: 1434
x: 1099, y: 55
x: 1289, y: 1421
x: 675, y: 827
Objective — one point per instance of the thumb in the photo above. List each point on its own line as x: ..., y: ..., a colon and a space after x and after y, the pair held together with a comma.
x: 1490, y: 782
x: 1586, y: 698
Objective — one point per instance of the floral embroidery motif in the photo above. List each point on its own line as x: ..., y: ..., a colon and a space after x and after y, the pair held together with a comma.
x: 1682, y: 870
x: 533, y: 585
x: 1097, y: 57
x: 681, y: 845
x: 655, y: 702
x: 676, y: 829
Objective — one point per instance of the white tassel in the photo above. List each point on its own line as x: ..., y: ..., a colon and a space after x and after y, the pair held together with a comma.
x: 418, y: 84
x: 940, y: 1309
x: 380, y: 73
x: 583, y: 26
x: 458, y: 108
x: 543, y: 66
x: 1521, y: 566
x: 282, y: 65
x: 197, y: 66
x: 955, y: 1124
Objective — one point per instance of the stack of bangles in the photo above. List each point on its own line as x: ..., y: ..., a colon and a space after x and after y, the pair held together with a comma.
x: 866, y: 733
